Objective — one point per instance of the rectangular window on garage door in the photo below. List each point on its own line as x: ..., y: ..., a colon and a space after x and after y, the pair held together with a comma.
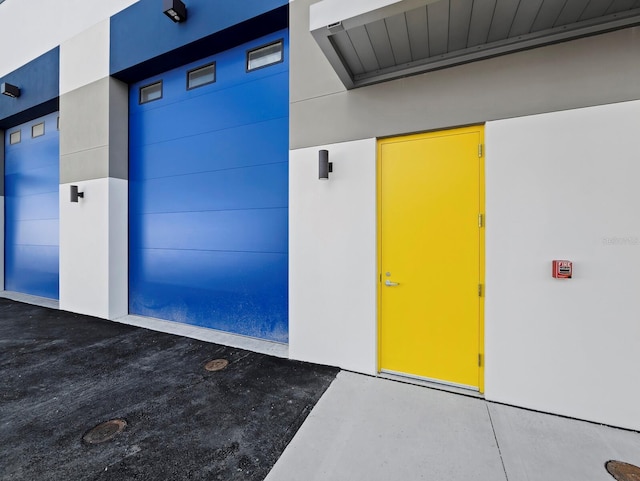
x: 208, y: 194
x: 152, y: 92
x: 265, y: 55
x: 15, y: 137
x: 201, y: 76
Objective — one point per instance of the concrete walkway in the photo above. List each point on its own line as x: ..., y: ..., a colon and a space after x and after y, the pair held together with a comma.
x: 369, y: 429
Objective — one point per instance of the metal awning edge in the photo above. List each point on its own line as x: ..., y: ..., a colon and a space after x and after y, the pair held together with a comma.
x: 354, y: 13
x: 323, y: 34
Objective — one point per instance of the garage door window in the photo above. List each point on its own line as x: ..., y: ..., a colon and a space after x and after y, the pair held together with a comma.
x: 201, y: 76
x: 37, y: 130
x: 15, y: 137
x: 151, y: 92
x: 265, y: 56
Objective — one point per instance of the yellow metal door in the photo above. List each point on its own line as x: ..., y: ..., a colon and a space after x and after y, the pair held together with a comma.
x: 431, y: 263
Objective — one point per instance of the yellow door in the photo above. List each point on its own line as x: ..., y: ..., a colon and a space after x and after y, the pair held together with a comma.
x: 431, y: 262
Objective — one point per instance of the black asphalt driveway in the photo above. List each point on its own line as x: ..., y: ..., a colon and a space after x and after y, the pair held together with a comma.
x: 62, y: 374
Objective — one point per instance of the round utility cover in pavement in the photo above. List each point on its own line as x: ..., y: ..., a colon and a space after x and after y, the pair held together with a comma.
x: 623, y: 471
x: 216, y: 365
x: 105, y: 431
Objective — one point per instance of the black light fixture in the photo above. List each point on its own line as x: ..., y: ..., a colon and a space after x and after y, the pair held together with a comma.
x: 324, y: 166
x: 10, y: 90
x: 75, y: 194
x: 175, y: 10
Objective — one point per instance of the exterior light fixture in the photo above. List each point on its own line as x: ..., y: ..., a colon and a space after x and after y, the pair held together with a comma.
x: 324, y: 166
x: 75, y: 194
x: 10, y: 90
x: 175, y: 10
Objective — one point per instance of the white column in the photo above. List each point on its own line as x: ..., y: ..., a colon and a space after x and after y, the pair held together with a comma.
x: 93, y: 146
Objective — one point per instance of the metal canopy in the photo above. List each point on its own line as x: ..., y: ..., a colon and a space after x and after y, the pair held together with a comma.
x: 408, y: 37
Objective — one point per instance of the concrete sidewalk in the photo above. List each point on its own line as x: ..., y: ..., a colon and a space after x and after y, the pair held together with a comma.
x: 368, y: 429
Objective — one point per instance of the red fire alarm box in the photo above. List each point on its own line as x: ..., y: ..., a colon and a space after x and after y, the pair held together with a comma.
x: 562, y: 269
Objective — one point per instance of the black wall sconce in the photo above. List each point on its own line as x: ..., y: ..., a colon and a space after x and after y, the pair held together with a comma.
x: 175, y: 10
x: 10, y: 90
x: 324, y: 166
x: 75, y: 194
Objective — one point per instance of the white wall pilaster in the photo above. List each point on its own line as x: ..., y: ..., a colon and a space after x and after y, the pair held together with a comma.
x: 93, y: 248
x: 332, y: 257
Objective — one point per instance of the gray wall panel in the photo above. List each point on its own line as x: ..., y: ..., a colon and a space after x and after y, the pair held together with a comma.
x: 118, y: 129
x: 84, y: 115
x: 313, y: 75
x: 94, y: 132
x: 84, y: 165
x: 585, y: 72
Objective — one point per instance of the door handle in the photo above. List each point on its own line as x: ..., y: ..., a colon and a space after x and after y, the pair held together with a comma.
x: 388, y: 283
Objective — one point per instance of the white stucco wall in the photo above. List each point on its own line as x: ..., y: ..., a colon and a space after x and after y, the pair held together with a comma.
x: 558, y: 186
x: 33, y: 27
x: 565, y: 186
x: 84, y: 59
x: 332, y: 257
x: 93, y: 248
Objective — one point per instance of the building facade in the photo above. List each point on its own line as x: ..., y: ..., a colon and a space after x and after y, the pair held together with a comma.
x: 471, y: 144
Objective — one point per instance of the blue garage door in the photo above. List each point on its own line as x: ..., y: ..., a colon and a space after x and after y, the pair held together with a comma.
x: 31, y: 207
x: 208, y: 180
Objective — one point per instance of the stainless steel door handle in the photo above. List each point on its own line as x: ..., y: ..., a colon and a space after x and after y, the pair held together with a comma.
x: 388, y: 283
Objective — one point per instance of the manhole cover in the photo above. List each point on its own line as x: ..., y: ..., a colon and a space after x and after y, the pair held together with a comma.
x: 216, y: 365
x: 105, y: 431
x: 623, y: 471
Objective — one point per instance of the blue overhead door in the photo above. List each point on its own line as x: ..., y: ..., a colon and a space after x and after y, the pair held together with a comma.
x: 208, y: 180
x: 31, y: 207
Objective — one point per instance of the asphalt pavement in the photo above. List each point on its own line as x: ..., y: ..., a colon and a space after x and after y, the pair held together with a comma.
x: 63, y: 374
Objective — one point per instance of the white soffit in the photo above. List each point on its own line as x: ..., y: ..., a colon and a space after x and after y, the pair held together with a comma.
x: 371, y: 41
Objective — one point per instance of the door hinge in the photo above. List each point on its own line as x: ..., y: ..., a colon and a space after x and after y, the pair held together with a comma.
x: 479, y: 150
x: 480, y: 290
x: 480, y: 220
x: 479, y: 360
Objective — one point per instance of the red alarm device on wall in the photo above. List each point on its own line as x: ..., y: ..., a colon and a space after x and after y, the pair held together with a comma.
x: 562, y: 269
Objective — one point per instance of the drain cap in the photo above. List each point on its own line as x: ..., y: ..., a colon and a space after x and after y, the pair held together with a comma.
x: 623, y: 471
x: 216, y: 365
x: 105, y: 431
